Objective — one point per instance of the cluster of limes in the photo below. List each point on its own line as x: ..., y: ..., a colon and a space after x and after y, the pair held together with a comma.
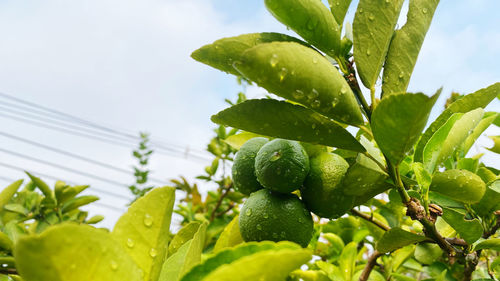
x: 269, y: 171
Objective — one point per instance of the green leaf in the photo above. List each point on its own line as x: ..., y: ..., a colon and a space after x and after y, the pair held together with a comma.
x: 490, y: 201
x: 70, y: 193
x: 73, y: 252
x: 302, y: 75
x: 374, y: 276
x: 424, y: 179
x: 400, y: 256
x: 373, y: 27
x: 487, y: 120
x: 185, y: 234
x: 469, y: 230
x: 144, y: 230
x: 16, y: 208
x: 397, y: 238
x: 480, y: 98
x: 450, y: 137
x: 77, y: 202
x: 5, y: 242
x: 427, y: 253
x: 397, y: 122
x: 227, y: 256
x: 236, y: 141
x: 309, y: 275
x: 339, y: 9
x: 496, y: 145
x: 405, y: 46
x: 185, y: 258
x: 8, y: 192
x: 224, y: 52
x: 311, y: 20
x: 492, y: 243
x: 284, y: 120
x: 264, y: 265
x: 347, y: 260
x: 230, y: 237
x: 42, y: 186
x: 460, y: 185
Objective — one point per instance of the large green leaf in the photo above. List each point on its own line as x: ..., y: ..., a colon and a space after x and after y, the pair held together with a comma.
x: 227, y: 256
x: 185, y: 234
x: 339, y: 9
x: 44, y: 188
x: 224, y: 52
x: 397, y: 238
x: 427, y: 253
x: 398, y: 121
x: 284, y: 120
x: 265, y: 265
x: 450, y: 137
x: 469, y: 230
x: 303, y: 75
x: 185, y: 258
x: 405, y: 46
x: 347, y: 260
x: 230, y: 237
x: 74, y: 252
x: 311, y: 20
x: 460, y: 185
x: 487, y: 120
x: 8, y: 192
x: 480, y: 98
x: 492, y: 243
x: 373, y: 28
x: 496, y: 144
x: 144, y: 230
x: 490, y: 201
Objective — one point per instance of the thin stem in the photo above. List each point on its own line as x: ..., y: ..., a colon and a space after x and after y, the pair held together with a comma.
x: 376, y: 161
x: 353, y: 83
x: 371, y: 219
x: 219, y: 202
x: 372, y: 260
x: 396, y: 178
x: 372, y: 96
x: 366, y: 130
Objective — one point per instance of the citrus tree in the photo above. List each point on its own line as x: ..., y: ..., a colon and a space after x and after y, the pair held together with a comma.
x: 395, y: 200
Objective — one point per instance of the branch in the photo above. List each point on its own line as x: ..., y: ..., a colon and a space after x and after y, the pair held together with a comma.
x: 219, y: 202
x: 372, y: 260
x: 353, y: 83
x: 371, y: 219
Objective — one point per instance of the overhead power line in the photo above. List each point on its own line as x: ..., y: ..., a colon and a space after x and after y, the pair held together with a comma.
x: 76, y: 156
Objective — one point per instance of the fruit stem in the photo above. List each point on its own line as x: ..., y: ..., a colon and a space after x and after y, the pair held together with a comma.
x: 371, y: 219
x: 353, y: 83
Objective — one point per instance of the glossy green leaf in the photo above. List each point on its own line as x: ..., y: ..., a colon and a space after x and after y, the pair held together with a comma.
x: 185, y: 258
x: 73, y: 252
x: 497, y: 121
x: 490, y: 202
x: 347, y: 260
x: 469, y: 230
x: 224, y: 52
x: 302, y: 75
x: 339, y: 9
x: 236, y: 141
x: 487, y: 120
x: 44, y: 188
x: 309, y: 275
x: 77, y: 202
x: 400, y: 256
x: 397, y: 122
x: 397, y: 238
x: 185, y: 234
x: 229, y: 255
x: 450, y: 137
x: 8, y: 192
x: 492, y: 243
x: 496, y: 144
x: 284, y: 120
x: 311, y: 20
x: 144, y: 230
x: 480, y: 98
x: 373, y: 27
x: 230, y: 237
x: 265, y: 265
x: 460, y: 185
x: 427, y: 253
x: 405, y: 46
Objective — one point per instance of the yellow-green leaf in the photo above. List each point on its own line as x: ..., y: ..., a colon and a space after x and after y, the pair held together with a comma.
x: 496, y: 144
x: 373, y: 28
x: 487, y: 120
x: 185, y: 234
x: 224, y: 52
x: 492, y: 243
x: 144, y: 230
x: 236, y: 141
x: 311, y: 20
x: 302, y: 75
x: 490, y: 201
x: 73, y: 252
x: 469, y: 230
x: 285, y: 120
x: 405, y: 46
x: 8, y: 192
x: 460, y: 185
x: 397, y: 238
x: 230, y: 237
x: 339, y: 9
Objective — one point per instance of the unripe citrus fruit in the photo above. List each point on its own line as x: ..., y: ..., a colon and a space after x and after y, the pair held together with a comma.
x: 281, y: 165
x: 276, y: 217
x: 243, y: 170
x: 322, y: 190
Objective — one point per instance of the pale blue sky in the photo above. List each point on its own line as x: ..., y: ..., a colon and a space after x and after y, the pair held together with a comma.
x: 126, y: 64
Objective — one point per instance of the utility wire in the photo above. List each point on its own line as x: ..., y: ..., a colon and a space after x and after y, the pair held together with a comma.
x: 76, y: 119
x: 76, y: 156
x: 69, y: 182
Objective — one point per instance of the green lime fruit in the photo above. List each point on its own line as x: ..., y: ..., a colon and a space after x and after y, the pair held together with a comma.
x: 267, y: 215
x: 243, y: 170
x: 322, y: 191
x: 281, y: 165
